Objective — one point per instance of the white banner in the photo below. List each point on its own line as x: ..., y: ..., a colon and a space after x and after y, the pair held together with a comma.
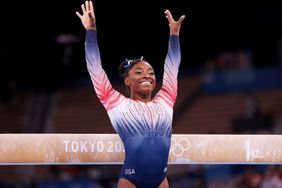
x: 108, y: 149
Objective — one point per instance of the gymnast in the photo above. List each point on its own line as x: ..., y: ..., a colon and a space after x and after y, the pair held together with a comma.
x: 143, y: 121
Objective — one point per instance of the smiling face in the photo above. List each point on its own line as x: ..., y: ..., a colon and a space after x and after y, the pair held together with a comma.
x: 141, y: 79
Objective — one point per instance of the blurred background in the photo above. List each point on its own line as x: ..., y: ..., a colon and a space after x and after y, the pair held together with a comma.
x: 230, y: 80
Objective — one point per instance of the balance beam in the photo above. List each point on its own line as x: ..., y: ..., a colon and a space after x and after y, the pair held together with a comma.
x: 107, y: 149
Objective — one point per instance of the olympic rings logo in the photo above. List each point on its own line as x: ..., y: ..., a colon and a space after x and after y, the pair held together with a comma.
x: 180, y: 146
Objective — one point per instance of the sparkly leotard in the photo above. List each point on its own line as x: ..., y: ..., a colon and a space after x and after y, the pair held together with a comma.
x: 144, y: 128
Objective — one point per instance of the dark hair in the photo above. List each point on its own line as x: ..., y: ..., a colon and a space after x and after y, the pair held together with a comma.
x: 126, y: 65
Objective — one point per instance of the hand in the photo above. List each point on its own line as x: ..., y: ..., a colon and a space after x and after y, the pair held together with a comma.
x: 174, y: 26
x: 88, y: 16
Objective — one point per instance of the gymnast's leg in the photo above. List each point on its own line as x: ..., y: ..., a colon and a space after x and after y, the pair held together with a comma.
x: 124, y: 183
x: 164, y: 184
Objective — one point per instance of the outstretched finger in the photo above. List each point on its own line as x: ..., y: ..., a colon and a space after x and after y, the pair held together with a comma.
x: 181, y: 19
x: 87, y: 5
x: 91, y: 6
x: 78, y: 14
x: 83, y: 8
x: 168, y: 15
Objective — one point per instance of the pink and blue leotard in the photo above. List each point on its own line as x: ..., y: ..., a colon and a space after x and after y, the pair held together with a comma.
x: 144, y: 128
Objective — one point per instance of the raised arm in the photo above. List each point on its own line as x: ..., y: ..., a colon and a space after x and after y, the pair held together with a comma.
x: 168, y: 90
x: 106, y: 94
